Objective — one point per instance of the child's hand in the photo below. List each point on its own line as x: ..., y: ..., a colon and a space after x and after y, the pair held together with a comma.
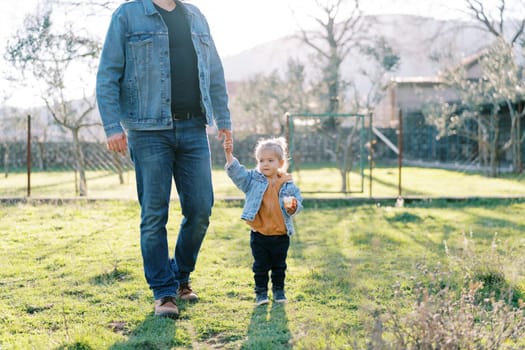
x: 228, y: 150
x: 290, y: 204
x: 228, y: 146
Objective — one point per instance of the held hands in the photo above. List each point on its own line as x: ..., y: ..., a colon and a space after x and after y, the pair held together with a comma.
x: 224, y: 134
x: 227, y: 144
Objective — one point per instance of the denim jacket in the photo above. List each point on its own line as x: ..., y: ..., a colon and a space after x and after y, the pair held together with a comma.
x: 133, y: 79
x: 254, y: 184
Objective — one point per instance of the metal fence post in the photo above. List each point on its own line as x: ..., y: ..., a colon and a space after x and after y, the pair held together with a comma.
x: 371, y: 154
x: 400, y: 154
x: 28, y: 155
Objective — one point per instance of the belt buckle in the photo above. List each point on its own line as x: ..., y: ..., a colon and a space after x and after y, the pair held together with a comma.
x: 184, y: 116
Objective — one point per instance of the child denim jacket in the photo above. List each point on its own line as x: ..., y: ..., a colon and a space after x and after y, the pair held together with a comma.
x: 254, y: 184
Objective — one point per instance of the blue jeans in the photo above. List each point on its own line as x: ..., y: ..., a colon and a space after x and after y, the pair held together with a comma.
x: 182, y: 153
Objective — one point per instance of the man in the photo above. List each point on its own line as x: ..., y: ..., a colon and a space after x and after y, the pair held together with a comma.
x: 160, y: 82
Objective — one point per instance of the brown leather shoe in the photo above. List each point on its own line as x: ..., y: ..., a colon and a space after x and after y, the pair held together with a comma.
x: 186, y: 293
x: 166, y: 307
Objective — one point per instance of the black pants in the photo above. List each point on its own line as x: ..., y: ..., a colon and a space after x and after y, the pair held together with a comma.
x: 269, y: 253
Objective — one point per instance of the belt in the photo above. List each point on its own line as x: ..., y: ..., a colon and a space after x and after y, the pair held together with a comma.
x: 184, y: 115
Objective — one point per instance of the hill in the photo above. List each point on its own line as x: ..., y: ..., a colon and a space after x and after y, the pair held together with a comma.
x: 416, y: 39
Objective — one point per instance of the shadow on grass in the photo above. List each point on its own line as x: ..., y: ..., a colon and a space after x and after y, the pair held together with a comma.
x: 394, y: 186
x: 111, y: 277
x: 461, y: 202
x: 268, y: 329
x: 155, y: 333
x: 493, y: 222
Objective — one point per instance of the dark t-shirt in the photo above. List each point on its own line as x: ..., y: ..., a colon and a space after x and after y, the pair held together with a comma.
x: 185, y: 92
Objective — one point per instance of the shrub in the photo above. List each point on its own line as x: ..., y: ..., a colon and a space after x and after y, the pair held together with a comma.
x: 467, y: 304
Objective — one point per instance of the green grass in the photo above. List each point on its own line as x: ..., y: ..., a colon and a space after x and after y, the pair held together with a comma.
x: 318, y: 181
x: 71, y: 275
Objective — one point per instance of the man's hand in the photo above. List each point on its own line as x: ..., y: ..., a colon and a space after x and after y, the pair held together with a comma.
x: 118, y: 143
x: 227, y: 144
x: 225, y: 134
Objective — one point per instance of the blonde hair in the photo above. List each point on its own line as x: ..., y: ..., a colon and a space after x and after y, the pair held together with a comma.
x: 277, y: 145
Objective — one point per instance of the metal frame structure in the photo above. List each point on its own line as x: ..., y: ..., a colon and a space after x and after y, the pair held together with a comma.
x: 290, y: 138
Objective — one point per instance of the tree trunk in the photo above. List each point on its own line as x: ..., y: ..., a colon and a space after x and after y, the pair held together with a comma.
x: 348, y: 156
x: 517, y: 154
x: 342, y: 172
x: 514, y: 139
x: 6, y: 160
x: 80, y: 165
x: 339, y: 152
x: 41, y: 154
x: 482, y: 144
x: 494, y: 147
x: 515, y: 143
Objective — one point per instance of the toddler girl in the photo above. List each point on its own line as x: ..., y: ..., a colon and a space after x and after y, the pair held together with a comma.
x: 271, y: 200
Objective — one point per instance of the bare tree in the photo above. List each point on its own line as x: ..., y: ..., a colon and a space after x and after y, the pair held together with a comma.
x: 52, y: 56
x: 12, y: 124
x: 342, y: 29
x: 384, y: 60
x: 502, y: 24
x: 478, y: 115
x: 499, y: 88
x: 497, y: 22
x: 266, y: 99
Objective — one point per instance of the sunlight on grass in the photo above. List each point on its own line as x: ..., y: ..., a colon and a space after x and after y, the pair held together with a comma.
x: 71, y: 275
x: 313, y: 181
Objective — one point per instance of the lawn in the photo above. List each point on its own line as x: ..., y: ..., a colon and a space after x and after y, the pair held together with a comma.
x: 314, y: 181
x: 71, y: 278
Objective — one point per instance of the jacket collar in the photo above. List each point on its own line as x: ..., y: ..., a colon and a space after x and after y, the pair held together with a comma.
x: 286, y: 177
x: 149, y: 7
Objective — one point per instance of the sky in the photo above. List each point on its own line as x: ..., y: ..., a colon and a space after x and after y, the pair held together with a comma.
x: 238, y: 25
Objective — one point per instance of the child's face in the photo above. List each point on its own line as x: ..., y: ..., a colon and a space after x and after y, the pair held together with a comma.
x: 269, y: 163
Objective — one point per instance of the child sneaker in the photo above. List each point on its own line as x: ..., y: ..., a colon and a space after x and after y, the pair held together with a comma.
x: 261, y: 298
x: 279, y: 296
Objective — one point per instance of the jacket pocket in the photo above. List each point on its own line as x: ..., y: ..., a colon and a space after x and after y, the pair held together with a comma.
x: 203, y: 41
x: 141, y: 51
